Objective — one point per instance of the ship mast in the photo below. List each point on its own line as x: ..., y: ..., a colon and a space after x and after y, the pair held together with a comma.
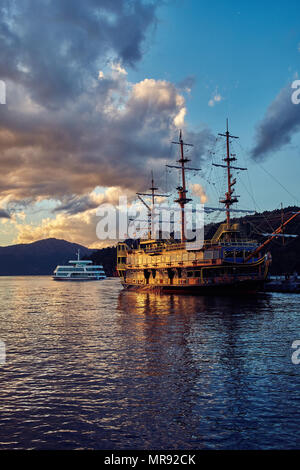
x: 182, y: 191
x: 230, y: 198
x: 153, y: 195
x: 152, y: 189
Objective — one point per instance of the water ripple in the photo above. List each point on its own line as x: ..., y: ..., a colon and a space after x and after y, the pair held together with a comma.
x: 90, y: 366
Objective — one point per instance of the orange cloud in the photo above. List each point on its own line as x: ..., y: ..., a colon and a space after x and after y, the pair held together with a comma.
x: 199, y: 191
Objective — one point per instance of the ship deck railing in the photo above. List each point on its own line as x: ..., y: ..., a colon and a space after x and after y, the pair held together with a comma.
x: 188, y: 246
x: 196, y: 263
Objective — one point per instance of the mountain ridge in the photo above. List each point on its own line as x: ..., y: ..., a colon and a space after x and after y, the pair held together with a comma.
x: 38, y: 258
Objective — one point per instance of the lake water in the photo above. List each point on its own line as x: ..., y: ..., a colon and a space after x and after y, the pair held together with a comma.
x: 90, y: 366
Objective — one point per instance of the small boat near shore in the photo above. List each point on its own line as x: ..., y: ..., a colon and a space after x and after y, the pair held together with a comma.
x: 288, y: 283
x: 79, y: 270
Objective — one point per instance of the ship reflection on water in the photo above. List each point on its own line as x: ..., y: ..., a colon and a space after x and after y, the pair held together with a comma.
x: 220, y: 367
x: 135, y: 370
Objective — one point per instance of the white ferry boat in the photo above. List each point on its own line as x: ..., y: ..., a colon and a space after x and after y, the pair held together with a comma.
x: 79, y: 270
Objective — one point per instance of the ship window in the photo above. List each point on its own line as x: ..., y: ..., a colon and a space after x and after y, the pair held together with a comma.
x: 70, y: 270
x: 197, y: 273
x: 190, y: 274
x: 208, y: 254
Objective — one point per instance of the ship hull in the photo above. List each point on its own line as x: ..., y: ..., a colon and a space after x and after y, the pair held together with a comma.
x: 238, y: 288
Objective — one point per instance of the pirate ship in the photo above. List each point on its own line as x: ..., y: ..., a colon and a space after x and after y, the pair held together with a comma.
x: 228, y: 262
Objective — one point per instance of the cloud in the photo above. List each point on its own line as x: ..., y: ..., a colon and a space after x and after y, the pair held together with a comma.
x: 112, y: 135
x: 78, y: 228
x: 69, y: 119
x: 73, y: 120
x: 75, y: 221
x: 106, y: 138
x: 4, y: 214
x: 187, y: 84
x: 54, y: 47
x: 199, y: 191
x: 217, y: 98
x: 280, y: 123
x: 76, y: 204
x: 202, y: 141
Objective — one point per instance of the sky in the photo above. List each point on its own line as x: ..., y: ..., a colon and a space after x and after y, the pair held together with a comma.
x: 97, y: 90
